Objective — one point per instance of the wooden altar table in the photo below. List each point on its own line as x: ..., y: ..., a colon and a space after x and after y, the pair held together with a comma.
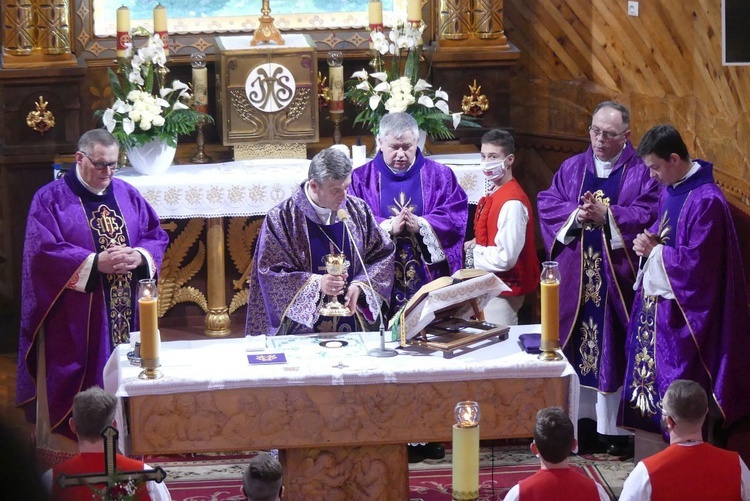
x: 338, y: 415
x: 236, y: 189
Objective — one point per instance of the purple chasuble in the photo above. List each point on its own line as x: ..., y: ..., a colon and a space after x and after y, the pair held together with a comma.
x: 64, y: 227
x: 284, y: 279
x: 431, y: 191
x: 634, y: 210
x: 585, y: 354
x: 703, y: 333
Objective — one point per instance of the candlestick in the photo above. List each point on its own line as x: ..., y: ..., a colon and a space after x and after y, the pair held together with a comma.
x: 375, y: 15
x: 123, y: 30
x: 336, y: 82
x: 414, y: 11
x: 466, y: 452
x: 550, y: 284
x: 148, y: 295
x: 200, y: 81
x: 160, y: 24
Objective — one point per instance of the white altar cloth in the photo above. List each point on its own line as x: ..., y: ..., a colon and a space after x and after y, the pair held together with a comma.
x: 220, y: 364
x: 253, y: 187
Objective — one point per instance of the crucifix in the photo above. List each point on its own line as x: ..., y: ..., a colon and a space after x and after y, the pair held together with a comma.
x: 110, y: 475
x: 267, y: 31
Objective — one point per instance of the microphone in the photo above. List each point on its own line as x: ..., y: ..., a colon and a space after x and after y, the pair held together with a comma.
x: 344, y: 217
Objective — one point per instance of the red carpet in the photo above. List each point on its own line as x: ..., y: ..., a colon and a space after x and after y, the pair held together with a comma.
x: 189, y: 480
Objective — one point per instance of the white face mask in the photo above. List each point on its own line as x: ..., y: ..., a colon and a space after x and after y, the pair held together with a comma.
x: 494, y: 170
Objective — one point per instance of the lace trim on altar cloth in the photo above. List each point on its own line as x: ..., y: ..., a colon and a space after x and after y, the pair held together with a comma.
x: 304, y: 307
x: 430, y: 239
x: 374, y: 302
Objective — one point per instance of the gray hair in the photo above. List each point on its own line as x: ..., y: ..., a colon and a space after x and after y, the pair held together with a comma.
x: 397, y: 124
x: 93, y: 137
x: 686, y: 401
x: 330, y: 163
x: 615, y: 106
x: 93, y: 410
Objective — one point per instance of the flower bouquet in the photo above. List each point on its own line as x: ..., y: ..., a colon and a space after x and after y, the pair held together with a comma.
x: 395, y: 86
x: 145, y: 108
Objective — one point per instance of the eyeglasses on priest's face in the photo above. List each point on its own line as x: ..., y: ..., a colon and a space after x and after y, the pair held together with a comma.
x: 102, y: 165
x: 606, y: 134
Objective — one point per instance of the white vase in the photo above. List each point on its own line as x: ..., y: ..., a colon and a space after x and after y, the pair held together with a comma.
x: 152, y: 158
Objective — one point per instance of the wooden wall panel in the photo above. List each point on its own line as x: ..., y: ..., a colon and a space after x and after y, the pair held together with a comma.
x: 665, y: 65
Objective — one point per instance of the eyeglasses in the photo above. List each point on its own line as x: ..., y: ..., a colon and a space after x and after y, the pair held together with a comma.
x: 596, y: 131
x: 102, y: 165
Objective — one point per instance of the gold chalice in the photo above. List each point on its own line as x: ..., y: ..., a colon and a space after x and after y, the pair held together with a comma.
x: 336, y: 264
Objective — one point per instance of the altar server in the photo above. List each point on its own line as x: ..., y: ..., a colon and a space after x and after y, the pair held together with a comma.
x: 289, y: 281
x: 89, y: 239
x: 418, y: 202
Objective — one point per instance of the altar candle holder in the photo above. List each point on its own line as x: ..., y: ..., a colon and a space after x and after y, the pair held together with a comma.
x: 550, y: 285
x: 148, y: 295
x: 200, y: 101
x: 466, y: 451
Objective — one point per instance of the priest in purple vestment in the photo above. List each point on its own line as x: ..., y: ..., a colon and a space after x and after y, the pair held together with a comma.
x: 599, y: 200
x: 418, y: 202
x: 690, y: 317
x: 289, y: 281
x: 89, y: 239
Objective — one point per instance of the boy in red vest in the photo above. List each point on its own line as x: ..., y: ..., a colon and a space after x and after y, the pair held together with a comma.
x: 554, y: 439
x: 689, y: 468
x: 504, y: 231
x: 263, y: 479
x: 94, y: 410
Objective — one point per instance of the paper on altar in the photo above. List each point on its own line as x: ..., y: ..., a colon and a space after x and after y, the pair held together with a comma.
x: 482, y: 288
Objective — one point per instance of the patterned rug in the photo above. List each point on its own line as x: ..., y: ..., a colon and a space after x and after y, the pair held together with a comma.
x: 218, y: 477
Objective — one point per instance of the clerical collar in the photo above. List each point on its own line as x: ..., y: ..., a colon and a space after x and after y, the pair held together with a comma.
x: 404, y: 171
x: 325, y: 215
x: 695, y: 168
x: 86, y: 185
x: 604, y: 168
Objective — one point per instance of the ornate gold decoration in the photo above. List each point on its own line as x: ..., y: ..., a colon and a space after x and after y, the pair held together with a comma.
x: 244, y: 108
x: 298, y: 104
x: 476, y: 103
x: 18, y: 28
x: 241, y: 237
x: 270, y: 150
x: 593, y: 273
x: 266, y: 31
x: 664, y: 229
x: 52, y: 30
x: 643, y: 396
x: 41, y: 119
x: 401, y: 203
x: 455, y: 19
x: 589, y: 348
x: 174, y: 275
x: 324, y: 92
x: 472, y: 23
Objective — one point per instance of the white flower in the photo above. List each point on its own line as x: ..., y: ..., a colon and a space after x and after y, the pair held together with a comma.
x: 380, y: 75
x: 363, y: 85
x: 374, y: 102
x: 108, y: 118
x: 443, y: 106
x: 422, y: 85
x: 441, y: 94
x: 121, y: 106
x: 360, y: 75
x: 426, y: 101
x: 382, y: 87
x: 128, y: 126
x: 179, y: 106
x: 456, y: 120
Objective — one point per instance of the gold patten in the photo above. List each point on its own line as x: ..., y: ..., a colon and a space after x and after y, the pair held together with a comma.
x: 41, y: 119
x: 174, y: 275
x: 476, y: 103
x: 643, y: 396
x: 270, y: 150
x: 298, y: 104
x: 589, y: 348
x: 324, y: 96
x: 593, y: 273
x: 267, y: 31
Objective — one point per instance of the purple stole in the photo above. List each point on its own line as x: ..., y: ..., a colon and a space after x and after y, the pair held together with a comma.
x: 108, y: 228
x: 641, y: 383
x: 412, y: 269
x: 585, y: 350
x: 330, y: 239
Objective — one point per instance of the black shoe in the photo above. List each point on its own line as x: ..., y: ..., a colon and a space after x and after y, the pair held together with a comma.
x: 433, y: 450
x: 621, y: 451
x: 415, y: 453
